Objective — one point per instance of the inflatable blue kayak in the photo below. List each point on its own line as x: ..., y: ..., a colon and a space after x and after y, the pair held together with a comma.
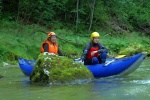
x: 113, y: 67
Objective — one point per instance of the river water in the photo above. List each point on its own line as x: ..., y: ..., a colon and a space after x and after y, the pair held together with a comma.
x: 136, y: 86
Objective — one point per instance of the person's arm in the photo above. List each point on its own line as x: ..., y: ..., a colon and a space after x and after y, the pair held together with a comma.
x: 85, y: 51
x: 59, y: 52
x: 45, y: 47
x: 102, y: 49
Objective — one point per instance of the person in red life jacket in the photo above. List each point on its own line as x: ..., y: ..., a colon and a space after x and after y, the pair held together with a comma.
x: 94, y: 52
x: 50, y: 45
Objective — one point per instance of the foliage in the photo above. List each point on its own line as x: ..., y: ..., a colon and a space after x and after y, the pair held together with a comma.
x: 0, y: 9
x: 116, y: 45
x: 1, y: 76
x: 130, y: 14
x: 19, y: 40
x: 50, y: 68
x: 15, y: 41
x: 134, y: 13
x: 132, y: 49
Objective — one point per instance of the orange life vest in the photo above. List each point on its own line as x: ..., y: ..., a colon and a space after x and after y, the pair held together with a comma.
x: 52, y: 47
x: 92, y: 49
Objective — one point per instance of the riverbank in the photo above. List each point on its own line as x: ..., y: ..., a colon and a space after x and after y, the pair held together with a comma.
x: 19, y: 40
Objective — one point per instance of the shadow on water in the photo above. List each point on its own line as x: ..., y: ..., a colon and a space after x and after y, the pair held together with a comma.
x: 136, y: 86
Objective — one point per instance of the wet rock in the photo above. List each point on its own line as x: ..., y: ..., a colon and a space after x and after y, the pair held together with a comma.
x: 5, y: 64
x: 50, y: 68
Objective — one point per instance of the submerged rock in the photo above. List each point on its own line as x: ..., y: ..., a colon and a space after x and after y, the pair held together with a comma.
x: 50, y: 68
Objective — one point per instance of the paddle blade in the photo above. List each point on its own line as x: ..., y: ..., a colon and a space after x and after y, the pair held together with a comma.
x: 120, y: 56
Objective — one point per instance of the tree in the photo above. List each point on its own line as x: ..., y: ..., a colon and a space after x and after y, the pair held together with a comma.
x: 92, y: 7
x: 0, y: 9
x: 77, y: 15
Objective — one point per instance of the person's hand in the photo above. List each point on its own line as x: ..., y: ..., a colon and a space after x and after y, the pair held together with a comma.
x: 93, y: 52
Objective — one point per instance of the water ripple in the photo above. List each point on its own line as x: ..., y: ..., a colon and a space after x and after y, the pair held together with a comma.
x: 141, y: 82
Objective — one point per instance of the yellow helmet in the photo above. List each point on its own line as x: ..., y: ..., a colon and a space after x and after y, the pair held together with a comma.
x: 94, y: 34
x: 51, y: 34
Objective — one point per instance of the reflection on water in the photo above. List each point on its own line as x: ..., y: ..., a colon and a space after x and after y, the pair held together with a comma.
x: 136, y: 86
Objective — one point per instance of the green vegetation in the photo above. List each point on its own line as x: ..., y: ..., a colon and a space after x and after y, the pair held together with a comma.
x: 50, y: 68
x: 128, y: 44
x: 122, y: 24
x: 78, y: 15
x: 25, y: 40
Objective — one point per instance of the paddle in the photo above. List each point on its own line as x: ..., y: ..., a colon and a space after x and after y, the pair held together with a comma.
x: 117, y: 57
x: 120, y: 56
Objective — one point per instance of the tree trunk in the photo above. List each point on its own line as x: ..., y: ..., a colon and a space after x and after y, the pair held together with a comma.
x: 77, y: 15
x: 92, y: 7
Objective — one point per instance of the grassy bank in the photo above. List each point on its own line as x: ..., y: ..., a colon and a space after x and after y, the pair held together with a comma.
x: 19, y: 40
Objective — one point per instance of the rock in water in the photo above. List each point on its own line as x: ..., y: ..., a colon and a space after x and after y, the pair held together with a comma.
x: 51, y: 68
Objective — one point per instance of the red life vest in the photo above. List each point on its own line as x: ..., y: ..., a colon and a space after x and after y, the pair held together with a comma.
x: 92, y: 49
x: 52, y: 47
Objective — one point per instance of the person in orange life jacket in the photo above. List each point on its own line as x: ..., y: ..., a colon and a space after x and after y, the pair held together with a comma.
x: 94, y: 52
x: 50, y: 45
